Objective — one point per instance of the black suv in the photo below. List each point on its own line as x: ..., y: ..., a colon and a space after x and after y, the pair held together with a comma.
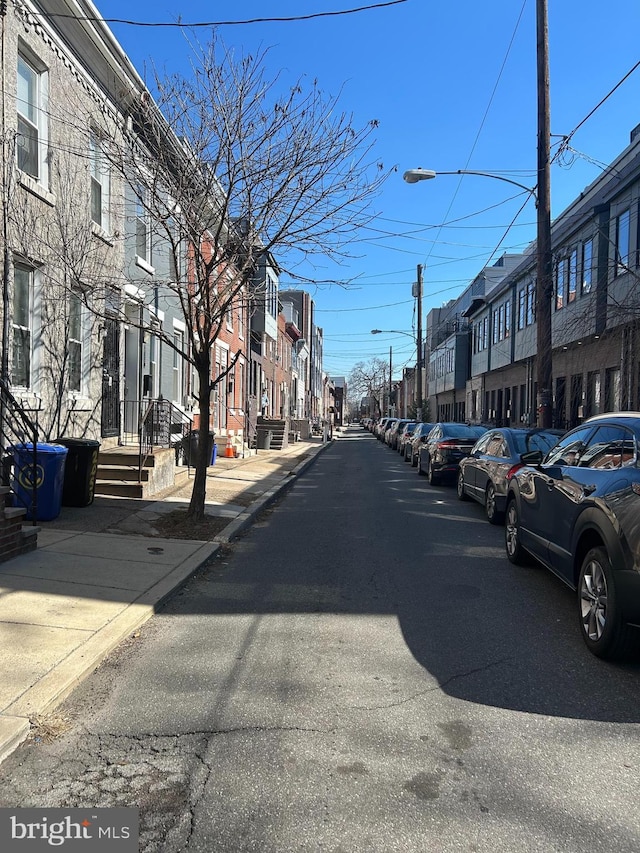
x: 578, y: 512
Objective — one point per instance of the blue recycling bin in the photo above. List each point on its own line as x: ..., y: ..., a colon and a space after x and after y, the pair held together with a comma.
x: 48, y: 475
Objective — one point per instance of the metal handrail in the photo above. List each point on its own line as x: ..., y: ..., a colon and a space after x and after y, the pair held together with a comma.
x: 160, y: 424
x: 17, y: 431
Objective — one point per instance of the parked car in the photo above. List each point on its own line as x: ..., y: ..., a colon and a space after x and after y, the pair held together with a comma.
x: 395, y: 432
x: 577, y: 511
x: 417, y: 439
x: 384, y: 433
x: 405, y: 436
x: 380, y: 426
x: 446, y: 445
x: 495, y: 457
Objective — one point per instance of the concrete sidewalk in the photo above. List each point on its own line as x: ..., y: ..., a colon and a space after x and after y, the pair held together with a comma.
x: 101, y: 571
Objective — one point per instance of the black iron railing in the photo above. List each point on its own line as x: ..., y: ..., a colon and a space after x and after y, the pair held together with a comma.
x: 19, y: 468
x: 155, y: 423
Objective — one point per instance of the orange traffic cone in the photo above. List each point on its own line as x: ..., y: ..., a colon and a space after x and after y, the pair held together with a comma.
x: 228, y: 451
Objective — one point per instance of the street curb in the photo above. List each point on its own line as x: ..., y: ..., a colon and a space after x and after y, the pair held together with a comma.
x: 63, y: 678
x: 247, y: 517
x: 13, y: 731
x: 59, y: 682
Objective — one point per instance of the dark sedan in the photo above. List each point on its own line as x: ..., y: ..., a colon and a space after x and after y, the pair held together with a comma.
x: 577, y: 511
x: 446, y: 445
x: 484, y: 474
x: 412, y: 447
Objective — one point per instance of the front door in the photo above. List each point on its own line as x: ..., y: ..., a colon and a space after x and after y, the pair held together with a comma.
x: 110, y: 421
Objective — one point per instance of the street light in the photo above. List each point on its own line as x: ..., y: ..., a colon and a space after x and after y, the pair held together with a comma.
x: 544, y: 267
x: 412, y: 176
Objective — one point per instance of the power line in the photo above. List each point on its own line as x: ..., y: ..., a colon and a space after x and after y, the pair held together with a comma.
x: 199, y: 24
x: 564, y: 144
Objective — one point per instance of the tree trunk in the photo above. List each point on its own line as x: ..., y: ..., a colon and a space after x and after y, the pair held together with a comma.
x: 203, y: 456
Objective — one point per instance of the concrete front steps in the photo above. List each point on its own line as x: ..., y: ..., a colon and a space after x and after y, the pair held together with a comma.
x: 15, y: 538
x: 278, y: 430
x: 118, y: 474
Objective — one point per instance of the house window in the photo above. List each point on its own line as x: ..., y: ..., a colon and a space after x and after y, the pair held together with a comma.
x: 531, y: 303
x: 521, y: 308
x: 100, y: 183
x: 178, y: 361
x: 494, y: 333
x: 573, y: 276
x: 174, y: 243
x: 587, y: 265
x: 561, y: 283
x: 32, y: 123
x: 75, y: 333
x: 22, y: 326
x: 142, y: 228
x: 272, y: 297
x: 507, y: 319
x: 622, y: 243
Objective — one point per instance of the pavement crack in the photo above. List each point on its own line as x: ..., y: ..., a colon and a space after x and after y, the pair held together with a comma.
x: 440, y: 686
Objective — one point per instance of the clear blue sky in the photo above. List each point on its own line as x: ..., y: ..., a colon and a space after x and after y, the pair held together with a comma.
x: 453, y: 85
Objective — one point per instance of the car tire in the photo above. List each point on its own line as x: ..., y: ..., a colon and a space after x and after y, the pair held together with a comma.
x: 434, y: 479
x: 419, y: 464
x: 516, y: 554
x: 462, y: 495
x: 603, y: 628
x: 414, y: 459
x: 494, y: 516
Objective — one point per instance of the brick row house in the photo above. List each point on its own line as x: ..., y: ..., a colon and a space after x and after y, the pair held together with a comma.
x: 94, y: 327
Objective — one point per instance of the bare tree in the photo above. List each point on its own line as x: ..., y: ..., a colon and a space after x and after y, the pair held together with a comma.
x: 370, y: 379
x: 230, y: 168
x: 55, y: 237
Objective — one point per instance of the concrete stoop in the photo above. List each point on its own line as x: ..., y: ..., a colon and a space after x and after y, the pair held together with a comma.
x: 278, y: 430
x: 118, y: 474
x: 15, y: 538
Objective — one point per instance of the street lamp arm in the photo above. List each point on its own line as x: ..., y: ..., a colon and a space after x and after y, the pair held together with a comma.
x: 392, y: 332
x: 412, y: 176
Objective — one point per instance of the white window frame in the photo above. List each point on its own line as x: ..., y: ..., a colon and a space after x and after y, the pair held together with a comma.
x: 34, y: 115
x: 83, y: 340
x: 100, y: 179
x: 142, y: 216
x: 178, y: 363
x: 19, y: 329
x: 75, y: 339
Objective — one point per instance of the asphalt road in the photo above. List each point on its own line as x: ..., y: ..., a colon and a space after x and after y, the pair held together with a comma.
x: 363, y: 671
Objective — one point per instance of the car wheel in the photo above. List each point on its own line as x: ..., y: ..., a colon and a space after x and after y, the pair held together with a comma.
x: 604, y: 630
x: 434, y: 479
x: 515, y: 552
x: 419, y: 464
x: 493, y: 515
x: 462, y: 495
x: 414, y: 459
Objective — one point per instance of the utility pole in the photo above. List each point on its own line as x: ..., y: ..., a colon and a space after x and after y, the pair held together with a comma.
x: 390, y: 379
x: 544, y: 265
x: 419, y: 346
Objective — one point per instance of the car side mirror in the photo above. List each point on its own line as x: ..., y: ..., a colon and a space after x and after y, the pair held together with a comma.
x: 532, y: 457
